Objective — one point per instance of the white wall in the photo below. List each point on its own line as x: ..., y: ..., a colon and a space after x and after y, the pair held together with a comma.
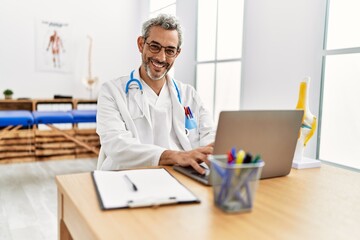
x: 283, y: 43
x: 114, y: 26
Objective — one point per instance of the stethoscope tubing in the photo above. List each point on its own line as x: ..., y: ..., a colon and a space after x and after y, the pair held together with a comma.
x: 189, y: 120
x: 132, y: 79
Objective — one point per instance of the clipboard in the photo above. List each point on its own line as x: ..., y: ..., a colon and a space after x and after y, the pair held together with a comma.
x: 139, y: 188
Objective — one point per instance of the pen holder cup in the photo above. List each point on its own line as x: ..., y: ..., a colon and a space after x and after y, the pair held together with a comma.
x: 234, y: 185
x: 190, y: 123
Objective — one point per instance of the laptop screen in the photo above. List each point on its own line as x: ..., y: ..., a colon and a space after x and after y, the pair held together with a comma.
x: 271, y: 133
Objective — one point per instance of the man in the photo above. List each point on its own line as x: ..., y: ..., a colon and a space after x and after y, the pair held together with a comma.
x: 148, y: 118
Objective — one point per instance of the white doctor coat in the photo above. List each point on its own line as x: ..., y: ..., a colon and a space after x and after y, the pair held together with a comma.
x: 125, y: 129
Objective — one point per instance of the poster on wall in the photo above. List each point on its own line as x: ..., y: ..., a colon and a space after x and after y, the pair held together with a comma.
x: 53, y: 46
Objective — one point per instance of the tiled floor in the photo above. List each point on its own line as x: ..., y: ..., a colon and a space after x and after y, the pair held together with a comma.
x: 28, y: 197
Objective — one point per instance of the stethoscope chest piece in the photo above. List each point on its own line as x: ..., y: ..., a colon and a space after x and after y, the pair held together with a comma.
x: 131, y: 80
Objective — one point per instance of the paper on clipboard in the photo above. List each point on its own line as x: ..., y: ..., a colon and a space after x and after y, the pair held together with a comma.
x: 153, y: 187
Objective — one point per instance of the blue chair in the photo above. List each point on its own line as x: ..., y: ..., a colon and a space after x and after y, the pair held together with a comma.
x: 12, y: 120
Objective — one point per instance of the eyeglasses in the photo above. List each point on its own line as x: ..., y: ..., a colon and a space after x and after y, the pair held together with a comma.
x: 156, y: 48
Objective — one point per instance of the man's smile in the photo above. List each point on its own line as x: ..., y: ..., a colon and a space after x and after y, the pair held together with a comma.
x: 158, y: 64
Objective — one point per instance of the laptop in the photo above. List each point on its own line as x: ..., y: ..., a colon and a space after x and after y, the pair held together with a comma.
x: 271, y: 133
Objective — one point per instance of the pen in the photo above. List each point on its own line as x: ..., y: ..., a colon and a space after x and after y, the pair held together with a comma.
x: 240, y: 157
x: 133, y: 186
x: 190, y: 113
x: 187, y: 114
x: 233, y: 153
x: 247, y: 158
x: 230, y: 158
x: 256, y: 159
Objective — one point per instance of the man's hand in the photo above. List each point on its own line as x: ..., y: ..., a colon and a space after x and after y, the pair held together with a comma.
x: 187, y: 158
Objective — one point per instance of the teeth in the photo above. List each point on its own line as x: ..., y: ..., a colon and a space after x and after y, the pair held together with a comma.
x: 157, y: 64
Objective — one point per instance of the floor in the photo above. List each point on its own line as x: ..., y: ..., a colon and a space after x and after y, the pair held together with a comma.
x: 28, y: 197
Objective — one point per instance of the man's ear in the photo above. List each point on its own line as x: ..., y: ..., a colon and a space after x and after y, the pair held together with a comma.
x: 140, y: 43
x: 178, y: 52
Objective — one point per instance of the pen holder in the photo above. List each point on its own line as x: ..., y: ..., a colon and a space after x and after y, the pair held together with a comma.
x: 190, y: 123
x: 234, y: 185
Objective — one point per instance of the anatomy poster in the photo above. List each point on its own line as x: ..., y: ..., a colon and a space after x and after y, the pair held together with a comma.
x: 53, y: 46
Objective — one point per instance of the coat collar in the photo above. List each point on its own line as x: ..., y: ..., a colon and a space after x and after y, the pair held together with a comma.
x: 177, y: 109
x: 138, y: 96
x: 178, y: 117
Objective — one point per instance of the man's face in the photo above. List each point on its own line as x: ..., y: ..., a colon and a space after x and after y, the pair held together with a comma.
x: 159, y: 52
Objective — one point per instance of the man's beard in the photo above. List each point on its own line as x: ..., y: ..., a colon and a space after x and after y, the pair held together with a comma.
x: 148, y: 71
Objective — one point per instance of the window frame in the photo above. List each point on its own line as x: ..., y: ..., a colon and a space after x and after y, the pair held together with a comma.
x: 216, y: 61
x: 325, y: 54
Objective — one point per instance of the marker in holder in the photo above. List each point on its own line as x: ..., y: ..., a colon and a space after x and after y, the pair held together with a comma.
x: 234, y: 184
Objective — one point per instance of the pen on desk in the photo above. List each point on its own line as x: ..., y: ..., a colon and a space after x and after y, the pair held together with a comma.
x: 128, y: 180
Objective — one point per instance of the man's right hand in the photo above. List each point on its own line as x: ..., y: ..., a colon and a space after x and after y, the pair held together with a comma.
x: 187, y: 158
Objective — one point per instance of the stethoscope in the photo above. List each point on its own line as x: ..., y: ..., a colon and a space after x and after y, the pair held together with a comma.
x: 190, y: 122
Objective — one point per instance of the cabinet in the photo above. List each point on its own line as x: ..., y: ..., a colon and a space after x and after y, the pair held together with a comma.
x: 39, y: 143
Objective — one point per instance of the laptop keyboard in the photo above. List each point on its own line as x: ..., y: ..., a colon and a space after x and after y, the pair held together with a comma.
x: 191, y: 172
x: 195, y: 173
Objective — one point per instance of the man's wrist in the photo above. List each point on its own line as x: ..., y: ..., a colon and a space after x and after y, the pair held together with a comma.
x: 167, y: 158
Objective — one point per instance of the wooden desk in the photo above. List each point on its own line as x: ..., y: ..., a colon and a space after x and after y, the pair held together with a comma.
x: 321, y: 203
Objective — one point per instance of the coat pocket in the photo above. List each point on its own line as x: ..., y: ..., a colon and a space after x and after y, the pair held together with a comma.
x: 194, y: 137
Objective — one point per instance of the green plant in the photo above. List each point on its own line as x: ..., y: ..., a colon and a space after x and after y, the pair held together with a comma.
x: 8, y: 92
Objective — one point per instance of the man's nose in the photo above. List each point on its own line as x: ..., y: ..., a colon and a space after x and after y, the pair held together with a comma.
x: 161, y: 56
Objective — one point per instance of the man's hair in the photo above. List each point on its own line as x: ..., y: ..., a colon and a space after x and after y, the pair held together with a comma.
x: 165, y: 21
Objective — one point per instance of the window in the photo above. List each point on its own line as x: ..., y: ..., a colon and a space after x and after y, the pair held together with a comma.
x: 219, y: 50
x: 340, y: 114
